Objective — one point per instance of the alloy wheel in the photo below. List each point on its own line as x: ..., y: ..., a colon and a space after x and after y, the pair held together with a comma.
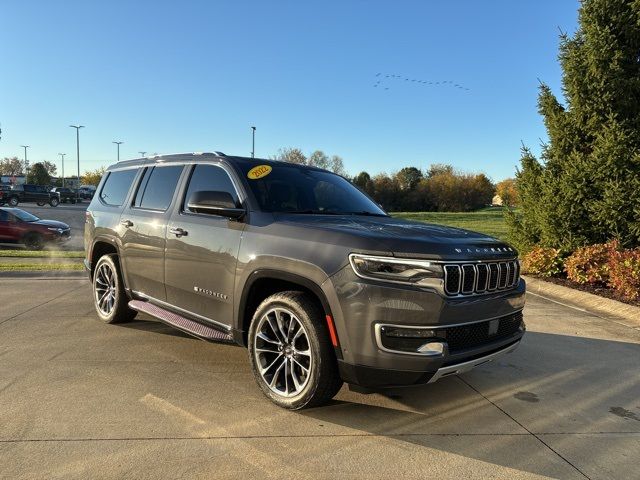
x: 104, y: 287
x: 282, y: 352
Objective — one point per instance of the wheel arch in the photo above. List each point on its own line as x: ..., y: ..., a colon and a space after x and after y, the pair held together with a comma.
x: 264, y: 283
x: 101, y: 246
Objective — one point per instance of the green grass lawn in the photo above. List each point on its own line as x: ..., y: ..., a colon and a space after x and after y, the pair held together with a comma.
x: 488, y: 220
x: 21, y: 267
x: 42, y: 253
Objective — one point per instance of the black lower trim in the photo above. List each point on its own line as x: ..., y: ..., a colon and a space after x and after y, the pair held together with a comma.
x: 370, y: 377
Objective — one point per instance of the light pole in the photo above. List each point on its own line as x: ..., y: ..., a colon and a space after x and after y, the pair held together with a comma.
x: 142, y: 153
x: 253, y: 142
x: 62, y: 157
x: 26, y: 162
x: 78, y: 127
x: 118, y: 144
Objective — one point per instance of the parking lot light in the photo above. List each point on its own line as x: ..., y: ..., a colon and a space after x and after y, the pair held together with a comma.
x: 118, y: 144
x: 62, y: 157
x: 26, y: 162
x: 78, y: 127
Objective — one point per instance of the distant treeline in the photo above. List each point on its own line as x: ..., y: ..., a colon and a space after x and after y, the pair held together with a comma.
x: 440, y: 188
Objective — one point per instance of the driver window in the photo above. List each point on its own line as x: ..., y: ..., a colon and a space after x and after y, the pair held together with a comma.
x: 209, y: 178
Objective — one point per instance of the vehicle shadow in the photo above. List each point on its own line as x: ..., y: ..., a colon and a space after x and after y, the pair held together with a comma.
x: 148, y: 324
x: 557, y: 384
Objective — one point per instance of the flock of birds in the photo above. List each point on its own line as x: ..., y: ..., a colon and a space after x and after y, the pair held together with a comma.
x: 382, y: 78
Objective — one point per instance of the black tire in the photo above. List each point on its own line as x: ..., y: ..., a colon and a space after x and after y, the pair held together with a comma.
x: 322, y: 381
x: 33, y: 241
x: 13, y: 201
x: 40, y: 204
x: 54, y: 202
x: 116, y: 298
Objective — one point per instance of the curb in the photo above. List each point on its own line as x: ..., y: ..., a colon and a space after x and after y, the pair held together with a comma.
x: 68, y: 274
x: 623, y: 313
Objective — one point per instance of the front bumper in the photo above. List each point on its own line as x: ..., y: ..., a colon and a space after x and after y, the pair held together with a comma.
x: 369, y: 377
x: 361, y: 307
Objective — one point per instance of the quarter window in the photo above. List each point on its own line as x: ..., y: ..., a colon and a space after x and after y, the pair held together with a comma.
x: 157, y: 187
x: 209, y: 178
x: 117, y: 186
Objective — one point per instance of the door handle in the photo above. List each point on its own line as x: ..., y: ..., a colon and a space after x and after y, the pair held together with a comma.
x: 126, y: 223
x: 178, y: 232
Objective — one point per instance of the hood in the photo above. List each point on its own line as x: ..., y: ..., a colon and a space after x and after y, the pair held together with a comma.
x: 51, y: 224
x: 405, y: 237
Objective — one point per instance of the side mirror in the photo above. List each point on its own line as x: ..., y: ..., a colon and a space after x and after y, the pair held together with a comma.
x: 215, y: 203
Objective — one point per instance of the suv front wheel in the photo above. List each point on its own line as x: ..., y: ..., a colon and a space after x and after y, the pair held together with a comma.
x: 290, y: 352
x: 109, y: 297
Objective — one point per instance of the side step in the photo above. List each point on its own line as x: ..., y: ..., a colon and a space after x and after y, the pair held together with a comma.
x: 181, y: 323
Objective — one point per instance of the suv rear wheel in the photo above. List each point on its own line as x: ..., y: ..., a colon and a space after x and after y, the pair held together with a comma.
x: 109, y: 297
x: 290, y: 352
x: 13, y: 201
x: 54, y: 202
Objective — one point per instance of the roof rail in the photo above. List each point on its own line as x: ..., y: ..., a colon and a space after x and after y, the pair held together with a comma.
x: 220, y: 154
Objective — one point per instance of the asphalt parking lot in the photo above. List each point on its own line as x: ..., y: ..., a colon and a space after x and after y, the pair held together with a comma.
x: 80, y: 399
x: 72, y: 215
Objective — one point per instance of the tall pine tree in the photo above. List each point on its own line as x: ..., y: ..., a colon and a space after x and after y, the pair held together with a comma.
x: 586, y: 188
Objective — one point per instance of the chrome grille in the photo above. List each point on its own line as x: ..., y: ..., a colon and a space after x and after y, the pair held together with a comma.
x: 483, y: 277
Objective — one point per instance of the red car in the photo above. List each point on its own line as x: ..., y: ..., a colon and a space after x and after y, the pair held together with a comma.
x: 18, y: 226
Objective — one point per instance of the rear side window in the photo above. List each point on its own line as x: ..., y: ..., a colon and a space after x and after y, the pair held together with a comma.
x: 157, y: 187
x: 117, y: 186
x: 209, y: 178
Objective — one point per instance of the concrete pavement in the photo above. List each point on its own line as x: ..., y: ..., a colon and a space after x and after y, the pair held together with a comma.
x: 80, y: 399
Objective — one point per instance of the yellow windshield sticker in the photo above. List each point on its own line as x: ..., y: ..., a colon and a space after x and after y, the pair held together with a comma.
x: 258, y: 172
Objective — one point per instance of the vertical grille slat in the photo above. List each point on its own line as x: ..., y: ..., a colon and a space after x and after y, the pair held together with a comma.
x: 482, y: 277
x: 452, y: 279
x: 502, y: 278
x: 493, y: 276
x: 468, y: 278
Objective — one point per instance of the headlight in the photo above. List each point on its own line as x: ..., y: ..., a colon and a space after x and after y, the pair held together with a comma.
x: 416, y: 272
x: 55, y: 229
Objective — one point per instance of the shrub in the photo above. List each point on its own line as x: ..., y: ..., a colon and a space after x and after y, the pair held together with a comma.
x: 624, y: 273
x: 546, y: 262
x: 591, y: 264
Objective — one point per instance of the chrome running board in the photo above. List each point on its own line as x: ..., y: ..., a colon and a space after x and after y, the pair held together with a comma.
x: 196, y: 329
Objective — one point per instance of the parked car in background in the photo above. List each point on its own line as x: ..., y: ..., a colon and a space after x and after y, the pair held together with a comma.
x: 18, y: 226
x: 86, y: 193
x: 29, y: 193
x: 65, y: 194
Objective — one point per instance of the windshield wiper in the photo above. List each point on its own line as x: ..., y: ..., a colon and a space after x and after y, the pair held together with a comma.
x: 367, y: 214
x: 314, y: 212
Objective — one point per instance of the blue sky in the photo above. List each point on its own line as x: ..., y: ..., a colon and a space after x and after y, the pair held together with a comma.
x: 194, y: 76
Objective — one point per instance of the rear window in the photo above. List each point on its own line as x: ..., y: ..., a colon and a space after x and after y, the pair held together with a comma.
x: 157, y: 187
x: 117, y: 186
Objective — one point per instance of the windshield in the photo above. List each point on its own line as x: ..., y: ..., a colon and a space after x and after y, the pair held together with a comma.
x: 300, y: 190
x: 25, y: 216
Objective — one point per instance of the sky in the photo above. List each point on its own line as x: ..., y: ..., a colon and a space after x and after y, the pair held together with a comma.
x: 188, y: 76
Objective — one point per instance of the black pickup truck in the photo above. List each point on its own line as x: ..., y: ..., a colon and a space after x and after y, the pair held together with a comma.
x: 29, y: 193
x: 66, y: 194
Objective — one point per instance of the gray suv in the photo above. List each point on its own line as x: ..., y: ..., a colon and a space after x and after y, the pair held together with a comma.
x: 302, y: 268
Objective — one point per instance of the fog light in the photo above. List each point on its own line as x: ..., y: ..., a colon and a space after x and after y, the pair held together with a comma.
x: 432, y: 348
x: 407, y: 332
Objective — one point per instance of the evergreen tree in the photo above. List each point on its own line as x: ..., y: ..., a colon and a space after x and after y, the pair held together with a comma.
x: 586, y: 189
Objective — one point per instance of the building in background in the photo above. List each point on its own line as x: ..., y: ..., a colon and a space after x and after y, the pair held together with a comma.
x: 13, y: 179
